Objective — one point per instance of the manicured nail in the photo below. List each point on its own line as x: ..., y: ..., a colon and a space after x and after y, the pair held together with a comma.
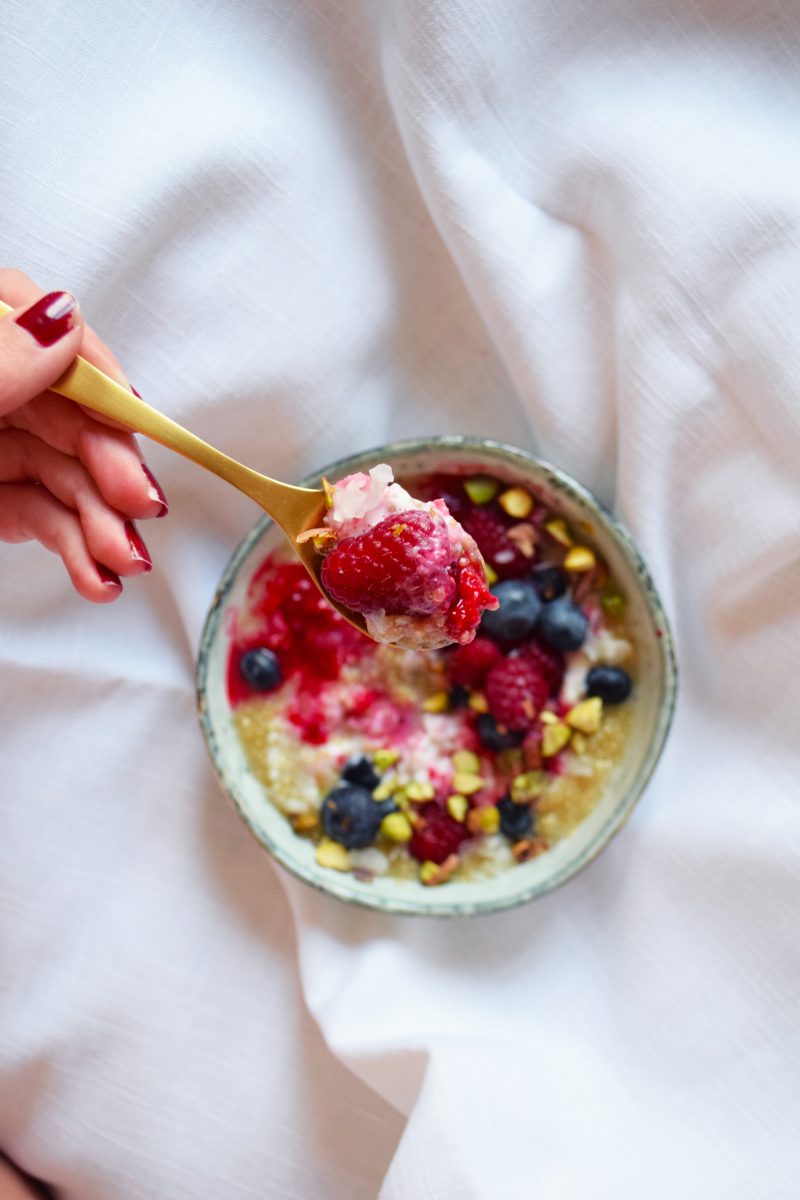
x: 138, y: 548
x: 50, y: 318
x: 154, y: 491
x: 108, y: 576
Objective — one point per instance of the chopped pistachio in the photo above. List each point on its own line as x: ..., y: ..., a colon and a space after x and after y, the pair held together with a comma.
x: 481, y: 488
x: 586, y: 715
x: 436, y: 703
x: 579, y: 558
x: 386, y: 788
x: 457, y: 807
x: 385, y: 758
x: 328, y: 489
x: 516, y: 502
x: 432, y: 874
x: 478, y: 702
x: 467, y: 783
x: 555, y: 738
x: 510, y: 761
x: 319, y: 534
x: 557, y: 528
x: 523, y: 536
x: 613, y: 603
x: 579, y: 743
x: 484, y: 820
x: 490, y: 573
x: 304, y: 822
x: 396, y: 827
x: 528, y: 786
x: 547, y: 717
x: 465, y: 760
x: 332, y: 854
x: 419, y: 789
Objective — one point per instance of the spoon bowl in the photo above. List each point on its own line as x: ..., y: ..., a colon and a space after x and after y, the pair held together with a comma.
x: 295, y: 510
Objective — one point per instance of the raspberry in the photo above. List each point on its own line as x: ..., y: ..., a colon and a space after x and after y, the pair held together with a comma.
x: 470, y: 664
x: 401, y: 565
x: 548, y: 662
x: 516, y: 692
x: 472, y: 596
x: 436, y: 835
x: 490, y: 531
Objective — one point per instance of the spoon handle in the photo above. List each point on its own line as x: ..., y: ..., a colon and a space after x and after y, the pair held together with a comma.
x: 91, y: 388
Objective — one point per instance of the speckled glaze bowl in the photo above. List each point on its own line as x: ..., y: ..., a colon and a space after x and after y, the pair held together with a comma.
x: 653, y: 701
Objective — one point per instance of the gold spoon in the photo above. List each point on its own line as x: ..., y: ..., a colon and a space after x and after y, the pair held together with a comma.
x: 293, y: 509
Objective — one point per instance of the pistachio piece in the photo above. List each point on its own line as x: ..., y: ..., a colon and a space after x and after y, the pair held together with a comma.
x: 386, y: 788
x: 466, y: 783
x: 579, y: 558
x: 586, y: 715
x: 457, y: 806
x: 419, y: 790
x: 328, y: 489
x: 557, y: 528
x: 304, y: 822
x: 481, y: 489
x: 524, y: 538
x: 432, y: 874
x: 383, y: 759
x: 579, y: 743
x: 555, y: 738
x: 466, y: 760
x: 613, y: 603
x: 516, y: 502
x: 528, y: 786
x: 396, y: 827
x: 332, y: 854
x: 478, y: 702
x: 547, y: 717
x: 490, y: 573
x: 436, y: 703
x: 484, y: 820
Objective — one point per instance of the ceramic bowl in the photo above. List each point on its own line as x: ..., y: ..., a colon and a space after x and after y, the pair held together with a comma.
x: 653, y: 700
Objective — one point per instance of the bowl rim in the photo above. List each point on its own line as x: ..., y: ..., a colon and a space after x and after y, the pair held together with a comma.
x: 556, y: 479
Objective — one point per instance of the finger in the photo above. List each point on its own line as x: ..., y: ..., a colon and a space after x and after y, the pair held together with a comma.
x: 111, y: 457
x: 110, y: 539
x: 37, y: 344
x: 28, y: 512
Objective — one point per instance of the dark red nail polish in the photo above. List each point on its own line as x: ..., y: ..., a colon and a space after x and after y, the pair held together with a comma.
x: 138, y: 548
x: 49, y: 318
x: 136, y: 394
x: 155, y: 488
x: 108, y: 576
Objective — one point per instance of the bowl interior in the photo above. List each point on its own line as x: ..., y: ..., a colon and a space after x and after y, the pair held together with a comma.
x: 651, y: 713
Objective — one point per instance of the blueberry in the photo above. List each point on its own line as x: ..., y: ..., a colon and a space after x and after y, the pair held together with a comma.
x: 516, y: 820
x: 550, y: 581
x: 611, y: 684
x: 563, y: 625
x: 261, y: 669
x: 350, y: 815
x: 519, y: 611
x: 360, y: 769
x: 493, y: 738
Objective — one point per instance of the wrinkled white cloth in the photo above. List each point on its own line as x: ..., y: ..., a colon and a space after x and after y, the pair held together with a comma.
x: 309, y: 228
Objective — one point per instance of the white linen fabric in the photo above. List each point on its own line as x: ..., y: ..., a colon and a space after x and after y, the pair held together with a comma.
x: 309, y: 228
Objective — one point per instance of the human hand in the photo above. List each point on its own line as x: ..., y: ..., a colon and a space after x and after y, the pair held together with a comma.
x: 67, y: 479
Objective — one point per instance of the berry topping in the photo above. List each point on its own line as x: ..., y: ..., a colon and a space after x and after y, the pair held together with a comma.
x: 436, y: 835
x: 517, y: 614
x: 472, y: 597
x: 493, y: 737
x: 611, y: 684
x: 400, y: 565
x: 563, y: 625
x: 490, y: 530
x: 261, y: 669
x: 549, y: 581
x: 546, y: 660
x: 360, y: 769
x: 469, y: 665
x: 516, y: 692
x: 350, y: 816
x: 516, y: 820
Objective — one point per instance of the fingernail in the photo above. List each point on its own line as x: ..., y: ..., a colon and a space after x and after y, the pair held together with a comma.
x: 154, y: 491
x: 108, y: 576
x: 138, y: 548
x: 50, y: 318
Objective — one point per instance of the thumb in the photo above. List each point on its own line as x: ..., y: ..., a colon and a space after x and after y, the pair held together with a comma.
x: 37, y: 344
